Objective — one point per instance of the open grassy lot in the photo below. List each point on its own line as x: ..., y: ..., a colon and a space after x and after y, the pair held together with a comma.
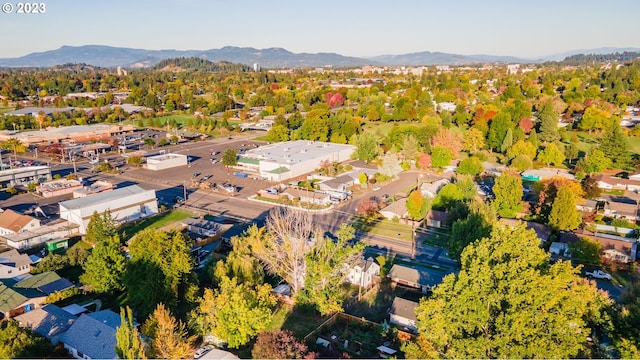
x: 130, y: 229
x: 384, y: 227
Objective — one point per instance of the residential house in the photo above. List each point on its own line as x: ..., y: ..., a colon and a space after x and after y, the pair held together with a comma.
x: 403, y: 313
x: 436, y: 218
x: 340, y: 183
x: 607, y: 182
x: 545, y: 173
x: 621, y: 207
x: 416, y: 277
x: 202, y: 227
x: 308, y: 196
x: 28, y: 292
x: 397, y: 209
x: 49, y: 321
x: 542, y: 231
x: 93, y: 336
x: 13, y: 264
x: 587, y: 206
x: 12, y: 222
x: 612, y: 247
x: 362, y: 272
x: 559, y: 249
x: 432, y: 188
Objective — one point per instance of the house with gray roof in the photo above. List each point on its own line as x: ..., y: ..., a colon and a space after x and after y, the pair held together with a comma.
x: 397, y: 209
x: 403, y: 313
x: 93, y: 336
x: 416, y: 277
x: 340, y: 183
x: 49, y: 321
x: 13, y: 264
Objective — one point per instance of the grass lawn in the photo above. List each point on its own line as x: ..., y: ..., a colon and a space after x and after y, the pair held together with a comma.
x: 613, y: 192
x: 128, y: 230
x: 5, y: 109
x: 301, y: 320
x: 384, y: 228
x: 587, y: 141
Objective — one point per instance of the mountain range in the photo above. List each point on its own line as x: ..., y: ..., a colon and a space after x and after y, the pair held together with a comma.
x: 108, y: 56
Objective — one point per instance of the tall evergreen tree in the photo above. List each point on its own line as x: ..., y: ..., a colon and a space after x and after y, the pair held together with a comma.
x: 615, y: 145
x: 548, y: 123
x: 564, y: 216
x: 105, y: 267
x: 507, y: 142
x: 508, y: 191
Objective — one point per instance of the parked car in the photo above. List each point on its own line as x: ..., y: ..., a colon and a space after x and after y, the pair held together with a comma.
x: 202, y: 351
x: 376, y: 188
x: 598, y: 274
x: 207, y: 177
x: 196, y: 174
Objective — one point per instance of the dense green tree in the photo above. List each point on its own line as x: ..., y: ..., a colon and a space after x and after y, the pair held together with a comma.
x: 234, y: 313
x: 571, y: 152
x: 278, y: 133
x: 417, y: 205
x: 614, y: 144
x: 230, y: 157
x: 508, y: 192
x: 548, y: 123
x: 591, y: 188
x: 522, y: 163
x: 564, y: 216
x: 476, y: 225
x: 447, y: 196
x: 101, y: 227
x: 17, y: 342
x: 470, y: 166
x: 367, y: 147
x: 551, y: 155
x: 159, y: 269
x: 473, y: 140
x: 507, y: 142
x: 105, y: 267
x: 440, y: 157
x: 508, y: 301
x: 594, y: 162
x: 128, y: 342
x: 324, y: 271
x: 533, y: 139
x: 585, y: 251
x: 498, y: 129
x: 522, y: 148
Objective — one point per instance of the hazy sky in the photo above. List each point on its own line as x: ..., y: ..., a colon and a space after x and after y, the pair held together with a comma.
x: 529, y: 29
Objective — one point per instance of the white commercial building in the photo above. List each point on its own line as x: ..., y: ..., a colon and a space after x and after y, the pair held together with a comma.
x: 286, y: 160
x: 126, y: 204
x: 166, y: 161
x: 24, y: 176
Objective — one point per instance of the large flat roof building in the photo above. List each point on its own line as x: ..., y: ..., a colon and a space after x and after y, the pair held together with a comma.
x: 166, y: 161
x: 24, y: 176
x: 58, y: 134
x: 286, y: 160
x: 126, y: 204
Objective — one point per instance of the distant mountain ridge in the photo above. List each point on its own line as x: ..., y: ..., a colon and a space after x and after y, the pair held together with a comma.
x: 109, y: 56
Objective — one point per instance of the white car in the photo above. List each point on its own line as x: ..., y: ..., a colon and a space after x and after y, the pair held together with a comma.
x: 376, y: 188
x: 202, y: 351
x: 598, y: 274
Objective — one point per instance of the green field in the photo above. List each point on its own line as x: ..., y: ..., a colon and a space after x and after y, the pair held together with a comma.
x: 128, y: 230
x: 587, y: 141
x: 384, y: 227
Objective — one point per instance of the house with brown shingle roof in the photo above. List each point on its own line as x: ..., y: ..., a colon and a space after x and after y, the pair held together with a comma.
x: 12, y: 222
